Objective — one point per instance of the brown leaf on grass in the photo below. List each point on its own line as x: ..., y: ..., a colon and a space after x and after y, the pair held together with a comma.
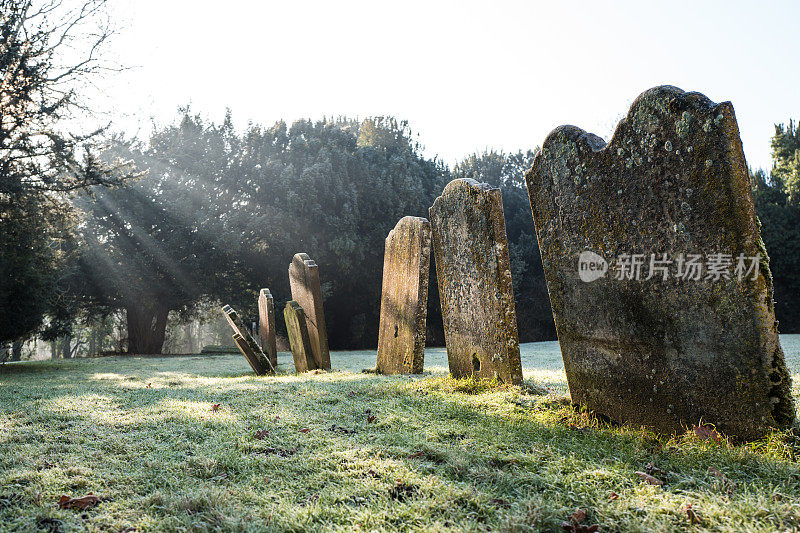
x: 261, y: 433
x: 727, y: 483
x: 705, y: 432
x: 716, y: 473
x: 304, y: 430
x: 214, y: 408
x: 371, y: 419
x: 613, y: 496
x: 694, y: 518
x: 84, y: 502
x: 575, y: 523
x: 500, y: 502
x: 149, y: 386
x: 648, y: 478
x: 652, y: 469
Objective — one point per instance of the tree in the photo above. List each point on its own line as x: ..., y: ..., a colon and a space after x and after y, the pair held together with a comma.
x: 780, y: 230
x: 146, y: 250
x: 42, y: 161
x: 786, y: 161
x: 332, y: 189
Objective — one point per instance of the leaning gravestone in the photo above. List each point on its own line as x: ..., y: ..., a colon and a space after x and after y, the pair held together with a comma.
x: 474, y: 276
x: 247, y: 344
x: 298, y: 337
x: 657, y: 274
x: 266, y: 326
x: 404, y: 298
x: 306, y: 291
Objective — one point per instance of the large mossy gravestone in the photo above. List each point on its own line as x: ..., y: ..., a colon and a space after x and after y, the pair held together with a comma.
x: 299, y: 340
x: 266, y: 326
x: 474, y: 277
x: 306, y: 291
x: 657, y: 274
x: 247, y: 345
x: 404, y: 297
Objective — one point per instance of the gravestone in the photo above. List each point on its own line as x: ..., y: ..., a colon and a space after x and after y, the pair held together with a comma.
x: 298, y: 337
x: 658, y: 278
x: 474, y: 277
x: 306, y: 291
x: 404, y: 298
x: 266, y: 326
x: 247, y: 344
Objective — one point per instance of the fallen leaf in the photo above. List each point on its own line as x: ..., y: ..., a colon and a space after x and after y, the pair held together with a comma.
x: 402, y: 491
x: 648, y: 478
x: 705, y: 432
x: 730, y: 485
x: 613, y: 496
x: 716, y: 473
x: 84, y: 502
x: 149, y: 386
x: 261, y: 433
x: 575, y: 523
x: 371, y: 419
x: 304, y: 430
x: 500, y: 502
x: 215, y: 408
x: 694, y: 518
x: 339, y: 429
x: 652, y: 469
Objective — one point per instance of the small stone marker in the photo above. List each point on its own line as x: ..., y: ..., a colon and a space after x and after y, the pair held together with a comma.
x: 404, y: 298
x: 474, y: 276
x: 247, y: 344
x: 266, y: 326
x: 657, y: 274
x: 306, y: 291
x: 298, y: 337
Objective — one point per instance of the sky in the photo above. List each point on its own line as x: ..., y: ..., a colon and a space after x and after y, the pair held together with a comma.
x: 467, y: 76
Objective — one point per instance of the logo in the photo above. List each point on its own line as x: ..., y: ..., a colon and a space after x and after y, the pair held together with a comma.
x: 591, y: 266
x: 694, y: 267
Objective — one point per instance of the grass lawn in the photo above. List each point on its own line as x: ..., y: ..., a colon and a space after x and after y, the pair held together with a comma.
x: 352, y: 451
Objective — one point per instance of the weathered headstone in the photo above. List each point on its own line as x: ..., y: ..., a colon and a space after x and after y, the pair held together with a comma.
x: 306, y: 291
x: 657, y: 274
x: 474, y: 276
x: 298, y: 337
x: 248, y: 352
x: 247, y: 344
x: 266, y: 326
x: 404, y: 298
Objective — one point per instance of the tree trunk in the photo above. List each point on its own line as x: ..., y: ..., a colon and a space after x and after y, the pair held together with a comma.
x: 146, y: 330
x: 188, y: 331
x: 54, y: 349
x: 66, y: 347
x: 93, y: 341
x: 16, y: 351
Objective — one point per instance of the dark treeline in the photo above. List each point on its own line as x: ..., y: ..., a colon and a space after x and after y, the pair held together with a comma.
x: 210, y: 215
x: 216, y: 215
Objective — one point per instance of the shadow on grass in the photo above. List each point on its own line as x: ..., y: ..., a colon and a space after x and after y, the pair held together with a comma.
x: 312, y: 451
